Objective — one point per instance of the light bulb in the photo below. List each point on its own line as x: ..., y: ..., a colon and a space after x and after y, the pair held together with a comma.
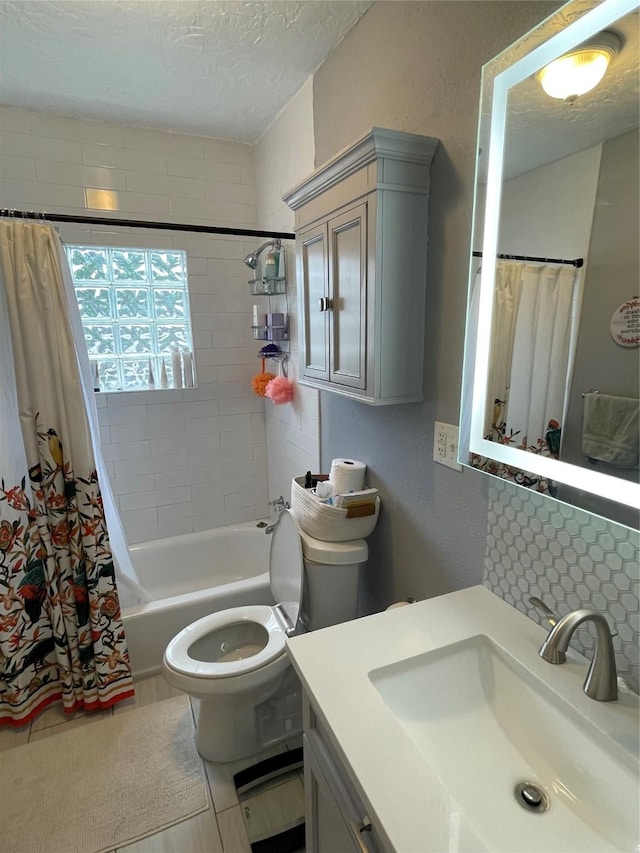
x: 581, y: 70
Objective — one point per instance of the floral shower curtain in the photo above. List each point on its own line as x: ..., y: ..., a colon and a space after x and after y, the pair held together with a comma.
x: 61, y: 635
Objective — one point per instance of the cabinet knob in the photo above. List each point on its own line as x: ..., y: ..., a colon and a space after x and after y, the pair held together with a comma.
x: 325, y: 304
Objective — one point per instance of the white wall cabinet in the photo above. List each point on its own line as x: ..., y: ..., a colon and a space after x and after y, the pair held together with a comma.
x: 361, y: 246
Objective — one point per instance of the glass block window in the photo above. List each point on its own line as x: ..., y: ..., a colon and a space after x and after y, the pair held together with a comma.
x: 134, y: 305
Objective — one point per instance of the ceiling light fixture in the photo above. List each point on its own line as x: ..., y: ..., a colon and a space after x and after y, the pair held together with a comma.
x: 581, y: 69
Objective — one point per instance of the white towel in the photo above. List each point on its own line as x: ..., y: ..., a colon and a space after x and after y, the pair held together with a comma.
x: 610, y: 429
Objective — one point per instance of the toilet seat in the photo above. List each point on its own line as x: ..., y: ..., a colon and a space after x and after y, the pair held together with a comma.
x: 177, y: 655
x: 285, y: 572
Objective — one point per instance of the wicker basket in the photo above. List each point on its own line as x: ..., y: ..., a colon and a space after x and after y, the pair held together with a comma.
x: 328, y: 523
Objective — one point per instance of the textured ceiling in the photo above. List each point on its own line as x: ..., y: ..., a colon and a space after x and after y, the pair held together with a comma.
x: 210, y: 67
x: 540, y: 129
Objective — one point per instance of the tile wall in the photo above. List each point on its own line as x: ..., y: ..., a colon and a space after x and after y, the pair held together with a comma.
x: 569, y: 559
x: 293, y: 429
x: 179, y: 460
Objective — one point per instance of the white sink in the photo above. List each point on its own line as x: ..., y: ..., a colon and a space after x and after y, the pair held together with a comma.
x: 484, y: 723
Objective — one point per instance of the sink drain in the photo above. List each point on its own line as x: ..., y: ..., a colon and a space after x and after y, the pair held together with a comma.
x: 532, y: 797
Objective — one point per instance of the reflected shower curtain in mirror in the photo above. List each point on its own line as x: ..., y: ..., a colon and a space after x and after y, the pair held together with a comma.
x: 61, y: 634
x: 532, y: 348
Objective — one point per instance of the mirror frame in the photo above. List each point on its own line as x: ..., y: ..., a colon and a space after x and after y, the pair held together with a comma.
x: 477, y: 351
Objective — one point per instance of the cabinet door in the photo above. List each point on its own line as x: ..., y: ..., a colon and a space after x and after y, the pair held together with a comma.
x: 348, y: 293
x: 314, y: 288
x: 335, y: 823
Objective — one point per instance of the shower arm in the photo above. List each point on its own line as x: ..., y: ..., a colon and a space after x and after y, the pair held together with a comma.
x: 251, y: 260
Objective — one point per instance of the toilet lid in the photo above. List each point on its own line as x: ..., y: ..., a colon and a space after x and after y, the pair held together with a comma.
x: 286, y: 567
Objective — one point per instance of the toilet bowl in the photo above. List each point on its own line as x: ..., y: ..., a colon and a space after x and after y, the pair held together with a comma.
x: 235, y: 661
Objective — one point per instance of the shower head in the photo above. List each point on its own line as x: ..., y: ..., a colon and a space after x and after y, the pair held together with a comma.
x: 251, y: 259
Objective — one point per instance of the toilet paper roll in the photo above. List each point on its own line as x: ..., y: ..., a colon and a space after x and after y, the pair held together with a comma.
x: 347, y: 475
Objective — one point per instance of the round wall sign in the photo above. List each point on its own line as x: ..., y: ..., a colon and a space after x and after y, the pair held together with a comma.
x: 625, y: 323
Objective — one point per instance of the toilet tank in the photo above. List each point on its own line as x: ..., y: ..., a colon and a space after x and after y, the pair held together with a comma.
x: 331, y: 576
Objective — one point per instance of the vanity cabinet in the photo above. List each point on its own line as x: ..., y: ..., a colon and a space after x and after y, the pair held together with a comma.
x: 361, y: 247
x: 336, y: 819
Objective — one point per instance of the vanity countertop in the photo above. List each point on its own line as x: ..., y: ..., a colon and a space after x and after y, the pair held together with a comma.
x: 412, y: 808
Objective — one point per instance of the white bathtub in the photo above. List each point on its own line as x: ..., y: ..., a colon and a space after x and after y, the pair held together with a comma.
x: 188, y: 577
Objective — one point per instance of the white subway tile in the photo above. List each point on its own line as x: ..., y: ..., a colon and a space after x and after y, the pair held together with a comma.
x: 223, y: 355
x: 187, y: 167
x: 200, y: 446
x: 231, y: 516
x: 138, y: 432
x: 202, y: 339
x: 221, y: 213
x: 15, y: 119
x: 140, y: 182
x: 229, y: 192
x: 84, y: 130
x: 204, y: 391
x: 222, y: 487
x: 18, y: 168
x: 246, y: 499
x: 234, y: 373
x: 225, y: 151
x: 132, y: 483
x: 236, y: 406
x: 72, y: 174
x: 168, y: 446
x: 188, y: 477
x: 149, y: 532
x: 242, y: 436
x: 155, y: 498
x: 127, y: 202
x: 199, y: 409
x: 26, y: 145
x: 123, y: 415
x: 245, y: 468
x: 20, y: 194
x: 126, y: 450
x: 196, y: 266
x: 175, y: 144
x: 151, y: 465
x: 207, y: 374
x: 123, y: 158
x: 190, y: 509
x: 138, y: 517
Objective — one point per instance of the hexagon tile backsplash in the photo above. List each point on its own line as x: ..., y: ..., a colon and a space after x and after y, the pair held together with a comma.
x: 569, y: 559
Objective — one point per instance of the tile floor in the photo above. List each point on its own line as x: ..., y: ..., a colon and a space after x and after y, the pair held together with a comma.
x: 220, y: 829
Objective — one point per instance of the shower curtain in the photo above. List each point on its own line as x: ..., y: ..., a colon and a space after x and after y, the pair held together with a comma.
x: 61, y: 635
x: 532, y: 347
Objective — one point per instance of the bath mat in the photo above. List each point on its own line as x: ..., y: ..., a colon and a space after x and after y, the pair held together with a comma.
x: 103, y: 785
x: 271, y: 796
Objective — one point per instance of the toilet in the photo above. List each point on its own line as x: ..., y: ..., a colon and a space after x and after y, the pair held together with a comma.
x: 235, y: 661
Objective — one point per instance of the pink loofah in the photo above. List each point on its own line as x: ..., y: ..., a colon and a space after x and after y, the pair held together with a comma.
x: 279, y: 390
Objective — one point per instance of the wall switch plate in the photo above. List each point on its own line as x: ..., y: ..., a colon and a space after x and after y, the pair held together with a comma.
x: 445, y: 445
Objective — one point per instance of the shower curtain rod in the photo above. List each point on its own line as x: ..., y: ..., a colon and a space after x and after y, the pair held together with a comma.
x: 138, y: 223
x: 576, y: 262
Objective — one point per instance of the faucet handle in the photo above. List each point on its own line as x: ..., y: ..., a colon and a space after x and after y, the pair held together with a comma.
x: 548, y: 613
x: 552, y: 619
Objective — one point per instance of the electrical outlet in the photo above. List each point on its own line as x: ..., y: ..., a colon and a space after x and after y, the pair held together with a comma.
x: 445, y: 445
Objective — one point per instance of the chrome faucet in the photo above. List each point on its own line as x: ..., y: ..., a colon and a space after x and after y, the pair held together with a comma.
x: 278, y: 506
x: 601, y: 681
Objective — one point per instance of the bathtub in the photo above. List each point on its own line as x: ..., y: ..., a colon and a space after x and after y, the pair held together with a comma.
x: 188, y: 577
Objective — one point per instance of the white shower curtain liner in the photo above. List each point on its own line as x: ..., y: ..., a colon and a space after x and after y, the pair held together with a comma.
x: 129, y: 589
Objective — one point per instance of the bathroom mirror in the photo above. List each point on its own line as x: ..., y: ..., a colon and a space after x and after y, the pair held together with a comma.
x: 557, y: 183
